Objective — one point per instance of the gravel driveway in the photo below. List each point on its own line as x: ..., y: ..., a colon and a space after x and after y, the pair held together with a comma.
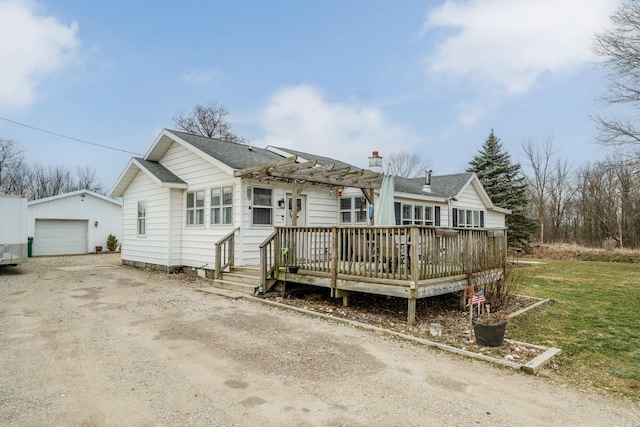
x: 84, y: 341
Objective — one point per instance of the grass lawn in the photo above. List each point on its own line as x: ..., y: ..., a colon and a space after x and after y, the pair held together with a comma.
x: 594, y: 317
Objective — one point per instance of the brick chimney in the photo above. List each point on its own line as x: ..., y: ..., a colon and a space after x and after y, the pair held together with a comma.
x: 375, y: 162
x: 426, y: 188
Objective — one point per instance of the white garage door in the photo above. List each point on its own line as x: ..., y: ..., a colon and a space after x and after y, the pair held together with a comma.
x: 60, y: 237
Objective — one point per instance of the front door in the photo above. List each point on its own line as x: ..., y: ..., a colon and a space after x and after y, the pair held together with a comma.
x: 302, y: 211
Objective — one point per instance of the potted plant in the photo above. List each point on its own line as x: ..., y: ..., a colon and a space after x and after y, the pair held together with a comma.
x: 98, y: 249
x: 489, y: 328
x: 490, y: 289
x: 112, y: 242
x: 291, y: 268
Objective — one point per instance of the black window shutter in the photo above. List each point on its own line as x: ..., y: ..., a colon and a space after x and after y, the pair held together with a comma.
x: 482, y: 219
x: 436, y: 216
x: 454, y: 213
x: 397, y: 208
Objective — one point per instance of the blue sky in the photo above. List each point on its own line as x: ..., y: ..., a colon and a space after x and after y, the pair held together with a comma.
x: 336, y: 78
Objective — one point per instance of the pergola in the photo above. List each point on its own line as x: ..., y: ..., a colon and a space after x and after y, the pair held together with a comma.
x: 300, y: 174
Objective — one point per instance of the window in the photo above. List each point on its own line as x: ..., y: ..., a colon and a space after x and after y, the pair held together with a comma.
x: 345, y: 210
x: 360, y: 206
x: 417, y: 215
x: 468, y: 218
x: 142, y: 218
x: 353, y: 210
x: 261, y: 206
x: 407, y: 214
x: 428, y: 215
x: 195, y: 207
x: 418, y: 212
x: 222, y: 205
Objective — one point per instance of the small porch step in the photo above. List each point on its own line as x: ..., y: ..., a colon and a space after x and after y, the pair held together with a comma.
x: 231, y: 285
x: 241, y: 278
x: 247, y: 270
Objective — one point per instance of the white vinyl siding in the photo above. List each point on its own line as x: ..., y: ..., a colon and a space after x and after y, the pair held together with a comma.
x: 322, y: 211
x: 494, y: 219
x: 81, y: 206
x: 196, y: 244
x: 153, y: 248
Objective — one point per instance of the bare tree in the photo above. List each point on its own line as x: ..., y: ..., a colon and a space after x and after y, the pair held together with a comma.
x: 561, y: 197
x: 620, y: 49
x: 539, y: 158
x: 407, y: 165
x: 207, y: 120
x: 86, y: 180
x: 11, y: 167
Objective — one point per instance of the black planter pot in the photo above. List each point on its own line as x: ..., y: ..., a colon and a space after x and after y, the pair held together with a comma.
x: 489, y: 335
x: 293, y: 269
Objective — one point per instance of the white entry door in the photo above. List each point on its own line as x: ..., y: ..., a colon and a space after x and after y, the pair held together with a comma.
x: 302, y: 211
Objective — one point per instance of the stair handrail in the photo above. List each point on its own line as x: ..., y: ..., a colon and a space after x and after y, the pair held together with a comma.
x: 269, y: 261
x: 227, y: 242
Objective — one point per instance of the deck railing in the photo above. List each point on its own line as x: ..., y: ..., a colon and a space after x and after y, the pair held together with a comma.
x: 269, y: 259
x: 408, y: 253
x: 225, y: 249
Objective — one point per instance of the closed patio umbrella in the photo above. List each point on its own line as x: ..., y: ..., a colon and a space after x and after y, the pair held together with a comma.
x: 384, y: 213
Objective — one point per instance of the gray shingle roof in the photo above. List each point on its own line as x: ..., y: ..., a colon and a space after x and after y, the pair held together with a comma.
x: 441, y: 186
x: 450, y: 185
x: 240, y: 156
x: 235, y: 155
x: 159, y: 171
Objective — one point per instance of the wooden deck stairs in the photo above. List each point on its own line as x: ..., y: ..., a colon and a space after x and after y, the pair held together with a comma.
x: 245, y: 280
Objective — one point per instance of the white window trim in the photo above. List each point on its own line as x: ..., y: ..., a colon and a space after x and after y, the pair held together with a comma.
x: 353, y: 211
x: 475, y: 215
x: 143, y: 218
x: 412, y: 220
x: 220, y: 206
x: 250, y: 190
x: 195, y: 208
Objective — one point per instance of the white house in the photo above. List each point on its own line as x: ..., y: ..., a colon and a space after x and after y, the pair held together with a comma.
x: 73, y: 223
x: 189, y: 191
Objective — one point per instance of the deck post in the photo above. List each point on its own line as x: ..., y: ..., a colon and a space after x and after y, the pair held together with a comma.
x: 415, y: 276
x: 334, y: 261
x: 411, y: 312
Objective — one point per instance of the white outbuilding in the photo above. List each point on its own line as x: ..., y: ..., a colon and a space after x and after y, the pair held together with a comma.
x: 73, y: 223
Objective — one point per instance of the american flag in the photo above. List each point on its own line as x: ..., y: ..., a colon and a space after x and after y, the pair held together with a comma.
x: 477, y: 298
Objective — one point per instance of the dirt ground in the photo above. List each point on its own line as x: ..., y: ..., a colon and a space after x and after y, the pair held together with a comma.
x: 391, y: 313
x: 86, y: 342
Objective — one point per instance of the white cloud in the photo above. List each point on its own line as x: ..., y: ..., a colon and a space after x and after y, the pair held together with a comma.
x: 300, y: 118
x: 201, y: 77
x: 33, y: 47
x: 470, y: 113
x: 506, y: 45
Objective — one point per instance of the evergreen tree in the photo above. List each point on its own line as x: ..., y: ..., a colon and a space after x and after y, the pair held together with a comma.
x: 506, y: 186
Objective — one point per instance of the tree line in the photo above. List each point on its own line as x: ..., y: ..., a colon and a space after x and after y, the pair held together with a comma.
x: 37, y: 181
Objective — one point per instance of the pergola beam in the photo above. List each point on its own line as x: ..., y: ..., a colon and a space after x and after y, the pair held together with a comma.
x: 307, y: 172
x: 265, y: 166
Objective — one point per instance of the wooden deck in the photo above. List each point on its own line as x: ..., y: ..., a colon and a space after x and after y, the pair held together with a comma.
x: 410, y: 262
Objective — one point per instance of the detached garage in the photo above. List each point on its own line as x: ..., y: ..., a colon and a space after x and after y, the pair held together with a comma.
x: 73, y: 223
